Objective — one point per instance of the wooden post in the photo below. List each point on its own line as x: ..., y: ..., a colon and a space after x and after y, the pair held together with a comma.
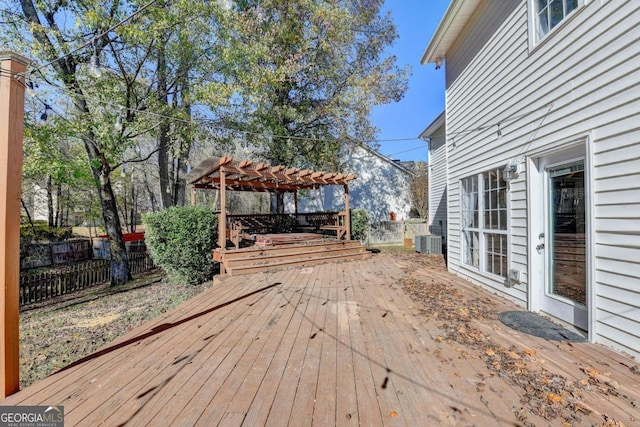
x: 347, y: 218
x: 193, y: 195
x: 295, y: 202
x: 222, y: 218
x: 11, y: 128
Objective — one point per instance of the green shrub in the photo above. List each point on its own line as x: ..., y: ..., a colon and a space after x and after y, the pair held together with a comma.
x: 359, y: 224
x: 181, y: 241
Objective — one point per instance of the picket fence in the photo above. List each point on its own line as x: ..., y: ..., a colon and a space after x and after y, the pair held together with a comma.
x: 44, y: 285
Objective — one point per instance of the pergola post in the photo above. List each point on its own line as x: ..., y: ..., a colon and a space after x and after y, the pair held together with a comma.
x: 193, y: 195
x: 11, y: 129
x: 222, y: 218
x: 295, y: 202
x: 347, y: 218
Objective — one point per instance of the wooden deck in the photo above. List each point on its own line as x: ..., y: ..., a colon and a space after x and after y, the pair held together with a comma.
x: 342, y: 344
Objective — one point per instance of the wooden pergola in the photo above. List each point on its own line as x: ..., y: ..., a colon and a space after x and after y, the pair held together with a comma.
x: 226, y: 174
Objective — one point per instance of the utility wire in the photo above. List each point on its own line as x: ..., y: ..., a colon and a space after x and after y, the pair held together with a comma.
x: 93, y: 39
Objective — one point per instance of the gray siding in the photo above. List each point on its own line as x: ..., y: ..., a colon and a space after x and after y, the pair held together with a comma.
x: 438, y: 182
x: 583, y: 79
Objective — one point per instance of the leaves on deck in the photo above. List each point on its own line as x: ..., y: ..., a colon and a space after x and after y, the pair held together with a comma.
x: 549, y: 395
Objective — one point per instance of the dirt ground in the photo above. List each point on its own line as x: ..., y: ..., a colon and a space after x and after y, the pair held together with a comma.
x: 57, y: 333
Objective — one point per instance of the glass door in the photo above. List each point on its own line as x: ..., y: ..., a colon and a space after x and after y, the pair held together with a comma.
x: 565, y: 250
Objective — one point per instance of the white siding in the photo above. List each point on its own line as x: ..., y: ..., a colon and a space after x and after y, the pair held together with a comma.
x: 582, y: 79
x: 438, y: 182
x: 382, y: 187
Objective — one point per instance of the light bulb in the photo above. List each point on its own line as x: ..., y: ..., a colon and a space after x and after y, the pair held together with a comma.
x: 94, y: 66
x: 30, y: 88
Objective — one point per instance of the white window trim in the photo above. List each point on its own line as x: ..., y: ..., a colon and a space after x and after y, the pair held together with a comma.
x: 483, y: 232
x: 534, y: 42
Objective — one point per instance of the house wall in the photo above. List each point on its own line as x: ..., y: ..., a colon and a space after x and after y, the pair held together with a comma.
x: 381, y: 188
x: 582, y: 81
x: 438, y: 182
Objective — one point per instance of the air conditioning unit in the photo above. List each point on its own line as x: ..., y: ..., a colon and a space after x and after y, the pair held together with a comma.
x: 433, y: 245
x: 421, y: 244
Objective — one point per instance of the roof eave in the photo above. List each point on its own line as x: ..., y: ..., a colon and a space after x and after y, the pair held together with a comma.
x: 450, y: 27
x: 437, y: 123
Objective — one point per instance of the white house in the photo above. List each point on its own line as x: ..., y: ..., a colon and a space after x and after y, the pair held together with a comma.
x: 382, y: 186
x: 542, y: 156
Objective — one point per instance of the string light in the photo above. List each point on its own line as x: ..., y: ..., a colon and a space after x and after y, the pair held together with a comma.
x: 94, y: 64
x: 44, y: 115
x: 93, y: 40
x: 30, y: 87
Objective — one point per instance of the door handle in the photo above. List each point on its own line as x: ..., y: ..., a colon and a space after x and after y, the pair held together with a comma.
x: 540, y: 247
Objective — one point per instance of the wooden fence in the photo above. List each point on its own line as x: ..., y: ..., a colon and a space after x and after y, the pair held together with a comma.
x: 40, y: 286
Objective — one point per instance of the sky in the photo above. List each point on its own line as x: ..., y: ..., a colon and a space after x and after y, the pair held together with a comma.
x: 416, y: 21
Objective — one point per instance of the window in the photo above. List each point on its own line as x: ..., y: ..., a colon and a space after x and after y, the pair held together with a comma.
x: 484, y: 222
x: 549, y: 13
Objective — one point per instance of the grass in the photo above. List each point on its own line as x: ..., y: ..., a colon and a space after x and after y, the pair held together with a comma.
x: 57, y: 333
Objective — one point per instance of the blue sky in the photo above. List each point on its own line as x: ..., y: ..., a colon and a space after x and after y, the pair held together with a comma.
x: 416, y: 21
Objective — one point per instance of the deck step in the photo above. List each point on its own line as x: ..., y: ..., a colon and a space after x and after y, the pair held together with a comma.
x: 253, y: 260
x: 321, y: 246
x: 254, y: 268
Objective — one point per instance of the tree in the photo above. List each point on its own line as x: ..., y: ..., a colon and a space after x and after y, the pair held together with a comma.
x: 130, y: 100
x: 306, y: 74
x: 419, y: 188
x: 54, y: 162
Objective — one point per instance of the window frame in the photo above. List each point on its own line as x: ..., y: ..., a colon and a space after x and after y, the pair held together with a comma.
x: 476, y: 224
x: 535, y: 37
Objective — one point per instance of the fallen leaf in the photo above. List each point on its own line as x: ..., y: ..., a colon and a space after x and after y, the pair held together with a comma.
x: 592, y: 372
x: 530, y: 352
x: 490, y: 352
x: 554, y: 397
x: 394, y: 414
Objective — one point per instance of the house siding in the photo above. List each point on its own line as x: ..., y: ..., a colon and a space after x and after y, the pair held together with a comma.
x: 438, y: 182
x: 382, y: 187
x: 582, y: 81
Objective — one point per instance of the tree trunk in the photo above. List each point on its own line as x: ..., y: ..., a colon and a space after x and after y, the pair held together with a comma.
x: 166, y: 178
x: 134, y: 208
x: 51, y: 220
x: 26, y: 211
x: 101, y: 171
x: 185, y: 145
x: 58, y: 219
x: 152, y: 196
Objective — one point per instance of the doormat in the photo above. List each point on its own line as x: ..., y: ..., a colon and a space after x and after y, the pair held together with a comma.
x: 536, y: 325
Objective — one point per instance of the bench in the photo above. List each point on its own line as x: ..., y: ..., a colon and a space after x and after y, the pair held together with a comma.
x: 246, y: 227
x: 339, y: 225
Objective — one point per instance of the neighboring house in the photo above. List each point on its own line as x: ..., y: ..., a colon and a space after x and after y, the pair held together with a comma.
x: 435, y: 133
x: 36, y: 201
x: 382, y: 186
x: 542, y: 156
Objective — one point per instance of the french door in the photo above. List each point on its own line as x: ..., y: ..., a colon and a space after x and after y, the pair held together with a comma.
x: 562, y: 242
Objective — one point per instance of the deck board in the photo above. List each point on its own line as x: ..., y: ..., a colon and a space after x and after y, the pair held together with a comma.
x: 334, y: 344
